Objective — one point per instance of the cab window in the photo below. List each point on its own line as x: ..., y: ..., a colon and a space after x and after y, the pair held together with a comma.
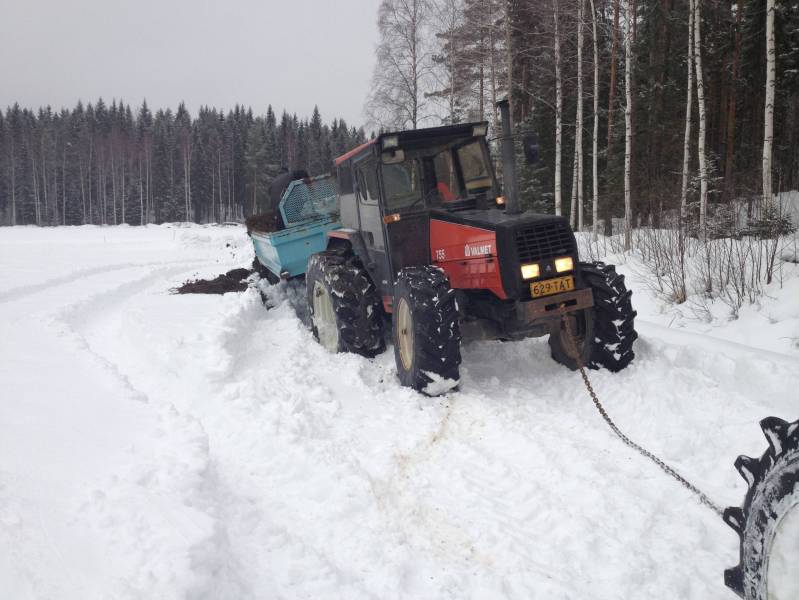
x: 367, y: 182
x: 401, y: 184
x: 447, y: 183
x: 476, y: 175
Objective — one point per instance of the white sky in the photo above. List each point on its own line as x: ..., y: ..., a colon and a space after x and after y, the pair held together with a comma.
x: 290, y: 53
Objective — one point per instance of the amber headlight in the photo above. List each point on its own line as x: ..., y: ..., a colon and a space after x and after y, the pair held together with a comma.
x: 530, y: 271
x: 564, y: 264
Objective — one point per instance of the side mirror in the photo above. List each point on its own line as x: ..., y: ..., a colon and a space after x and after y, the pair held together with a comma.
x: 530, y: 146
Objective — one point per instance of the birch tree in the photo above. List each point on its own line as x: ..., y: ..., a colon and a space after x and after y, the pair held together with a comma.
x: 768, y: 119
x: 700, y: 94
x: 403, y: 65
x: 686, y: 154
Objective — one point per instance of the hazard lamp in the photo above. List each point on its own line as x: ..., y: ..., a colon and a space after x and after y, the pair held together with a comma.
x: 500, y: 200
x: 564, y: 264
x: 530, y: 271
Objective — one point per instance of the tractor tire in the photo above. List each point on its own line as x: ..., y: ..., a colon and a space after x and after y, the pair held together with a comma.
x: 604, y: 333
x: 768, y: 521
x: 263, y: 272
x: 343, y: 304
x: 426, y: 331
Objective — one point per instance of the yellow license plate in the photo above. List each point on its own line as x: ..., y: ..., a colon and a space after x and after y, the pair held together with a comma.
x: 552, y: 286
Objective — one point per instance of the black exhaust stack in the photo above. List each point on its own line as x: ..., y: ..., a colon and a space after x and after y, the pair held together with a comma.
x: 508, y: 161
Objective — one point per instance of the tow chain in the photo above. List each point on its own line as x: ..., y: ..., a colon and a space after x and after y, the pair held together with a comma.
x: 574, y: 354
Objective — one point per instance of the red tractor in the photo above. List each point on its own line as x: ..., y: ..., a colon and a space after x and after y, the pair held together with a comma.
x: 428, y: 238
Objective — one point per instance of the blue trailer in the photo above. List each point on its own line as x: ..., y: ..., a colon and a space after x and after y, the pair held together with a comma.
x: 309, y: 209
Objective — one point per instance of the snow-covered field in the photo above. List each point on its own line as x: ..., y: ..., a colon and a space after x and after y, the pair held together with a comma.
x: 163, y: 446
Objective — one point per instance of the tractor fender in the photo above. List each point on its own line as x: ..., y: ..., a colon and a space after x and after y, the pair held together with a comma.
x: 349, y: 239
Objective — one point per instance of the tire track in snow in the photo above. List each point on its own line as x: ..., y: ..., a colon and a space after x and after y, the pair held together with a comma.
x: 24, y: 291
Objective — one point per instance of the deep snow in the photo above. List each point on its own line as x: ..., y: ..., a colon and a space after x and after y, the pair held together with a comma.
x: 163, y: 446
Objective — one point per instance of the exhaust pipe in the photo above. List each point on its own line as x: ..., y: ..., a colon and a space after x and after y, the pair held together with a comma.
x: 508, y: 161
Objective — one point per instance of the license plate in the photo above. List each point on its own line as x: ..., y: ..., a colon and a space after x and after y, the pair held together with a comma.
x: 552, y: 286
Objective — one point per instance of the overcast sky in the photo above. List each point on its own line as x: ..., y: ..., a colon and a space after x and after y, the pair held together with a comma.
x: 290, y: 53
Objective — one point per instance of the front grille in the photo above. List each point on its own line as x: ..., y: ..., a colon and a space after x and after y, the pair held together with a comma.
x: 543, y: 241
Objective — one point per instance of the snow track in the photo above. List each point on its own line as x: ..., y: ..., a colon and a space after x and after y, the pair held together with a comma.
x: 159, y: 446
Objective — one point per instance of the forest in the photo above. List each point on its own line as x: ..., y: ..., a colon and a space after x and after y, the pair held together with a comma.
x: 643, y: 108
x: 115, y: 164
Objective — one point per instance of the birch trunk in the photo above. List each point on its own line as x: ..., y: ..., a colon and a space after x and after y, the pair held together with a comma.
x: 613, y: 50
x: 628, y: 128
x: 686, y: 150
x: 700, y: 93
x: 594, y: 158
x: 768, y: 119
x: 558, y: 115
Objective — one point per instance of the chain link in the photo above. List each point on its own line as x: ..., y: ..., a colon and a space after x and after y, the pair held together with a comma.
x: 574, y: 354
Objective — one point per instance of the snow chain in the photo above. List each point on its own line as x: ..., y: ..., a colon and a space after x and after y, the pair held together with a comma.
x: 573, y: 352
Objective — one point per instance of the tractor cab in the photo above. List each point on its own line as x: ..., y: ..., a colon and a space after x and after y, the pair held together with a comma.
x: 390, y: 187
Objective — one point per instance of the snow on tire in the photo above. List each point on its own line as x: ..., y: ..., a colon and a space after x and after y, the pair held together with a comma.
x: 344, y: 306
x: 426, y: 331
x: 605, y: 332
x: 768, y: 521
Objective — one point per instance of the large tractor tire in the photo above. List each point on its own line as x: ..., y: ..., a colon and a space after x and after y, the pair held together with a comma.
x: 604, y: 333
x: 344, y: 306
x: 426, y: 331
x: 768, y: 521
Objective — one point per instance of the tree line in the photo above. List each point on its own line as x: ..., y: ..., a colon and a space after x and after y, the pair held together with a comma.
x: 679, y: 105
x: 112, y: 164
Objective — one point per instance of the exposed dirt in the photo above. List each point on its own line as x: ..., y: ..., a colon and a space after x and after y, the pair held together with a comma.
x: 264, y: 222
x: 232, y: 281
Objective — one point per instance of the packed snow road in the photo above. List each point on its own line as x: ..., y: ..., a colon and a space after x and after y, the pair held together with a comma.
x: 163, y: 446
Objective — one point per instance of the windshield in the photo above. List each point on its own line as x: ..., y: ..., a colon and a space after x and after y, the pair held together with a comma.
x: 437, y: 175
x: 476, y: 175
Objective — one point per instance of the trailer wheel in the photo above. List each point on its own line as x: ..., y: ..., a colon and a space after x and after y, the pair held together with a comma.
x: 426, y: 331
x: 343, y: 303
x: 768, y: 521
x: 606, y: 332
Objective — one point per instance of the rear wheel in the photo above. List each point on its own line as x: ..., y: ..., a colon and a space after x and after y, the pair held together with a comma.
x: 604, y: 333
x: 426, y: 332
x: 344, y: 306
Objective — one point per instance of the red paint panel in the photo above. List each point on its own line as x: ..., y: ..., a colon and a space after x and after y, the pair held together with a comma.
x: 352, y: 152
x: 468, y: 255
x: 338, y: 233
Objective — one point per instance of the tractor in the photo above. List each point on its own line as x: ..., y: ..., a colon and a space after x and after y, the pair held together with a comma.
x: 429, y: 242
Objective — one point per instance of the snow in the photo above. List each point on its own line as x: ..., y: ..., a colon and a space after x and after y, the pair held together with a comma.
x: 164, y: 446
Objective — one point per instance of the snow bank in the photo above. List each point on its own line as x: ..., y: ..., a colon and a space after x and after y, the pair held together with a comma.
x: 167, y: 446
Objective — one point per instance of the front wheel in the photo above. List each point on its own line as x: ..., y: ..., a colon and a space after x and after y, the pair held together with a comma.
x: 604, y: 333
x: 426, y: 331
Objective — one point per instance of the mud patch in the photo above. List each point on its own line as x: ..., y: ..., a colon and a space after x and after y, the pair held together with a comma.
x: 232, y: 281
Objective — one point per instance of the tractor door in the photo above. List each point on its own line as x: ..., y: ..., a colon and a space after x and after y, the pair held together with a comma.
x: 407, y: 218
x: 371, y: 221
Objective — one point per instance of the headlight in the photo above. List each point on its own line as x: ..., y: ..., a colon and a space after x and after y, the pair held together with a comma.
x: 391, y: 141
x: 564, y: 264
x: 479, y: 130
x: 500, y: 200
x: 530, y: 271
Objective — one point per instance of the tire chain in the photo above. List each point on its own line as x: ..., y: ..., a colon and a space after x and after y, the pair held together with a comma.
x: 572, y: 351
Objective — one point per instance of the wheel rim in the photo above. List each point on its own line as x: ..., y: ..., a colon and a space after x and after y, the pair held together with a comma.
x: 781, y: 582
x: 405, y: 333
x: 324, y: 318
